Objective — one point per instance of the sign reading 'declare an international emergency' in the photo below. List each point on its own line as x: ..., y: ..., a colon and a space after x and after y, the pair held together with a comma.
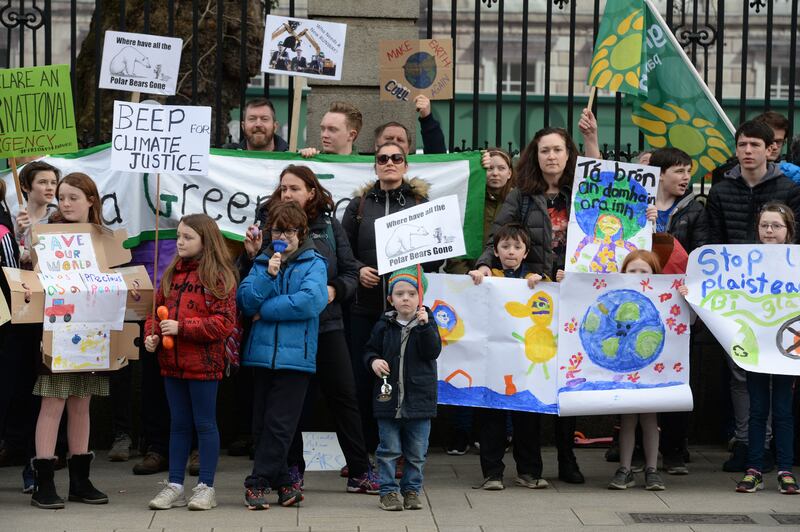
x: 36, y: 113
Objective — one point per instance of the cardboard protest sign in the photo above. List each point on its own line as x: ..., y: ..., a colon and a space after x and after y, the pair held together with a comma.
x: 139, y: 62
x: 409, y: 68
x: 36, y: 113
x: 301, y: 47
x: 623, y: 345
x: 608, y: 218
x: 749, y: 298
x: 161, y: 138
x: 321, y: 452
x: 427, y: 232
x: 79, y: 297
x: 499, y: 342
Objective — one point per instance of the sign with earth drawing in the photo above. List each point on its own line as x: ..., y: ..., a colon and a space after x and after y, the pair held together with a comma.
x: 409, y: 68
x: 608, y: 218
x: 302, y: 47
x: 623, y: 345
x: 749, y: 297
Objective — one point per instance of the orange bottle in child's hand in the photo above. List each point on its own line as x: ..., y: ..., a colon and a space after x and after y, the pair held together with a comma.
x: 162, y: 312
x: 167, y: 341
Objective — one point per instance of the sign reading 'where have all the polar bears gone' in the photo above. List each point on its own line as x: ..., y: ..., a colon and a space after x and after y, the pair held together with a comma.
x: 36, y: 112
x: 140, y: 63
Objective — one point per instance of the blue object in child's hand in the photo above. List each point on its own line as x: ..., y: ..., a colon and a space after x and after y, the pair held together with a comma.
x: 279, y: 246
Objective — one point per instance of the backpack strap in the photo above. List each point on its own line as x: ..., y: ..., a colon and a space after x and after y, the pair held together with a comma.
x: 524, y: 208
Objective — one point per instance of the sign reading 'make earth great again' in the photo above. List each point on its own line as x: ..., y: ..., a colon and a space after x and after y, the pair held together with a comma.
x: 36, y: 113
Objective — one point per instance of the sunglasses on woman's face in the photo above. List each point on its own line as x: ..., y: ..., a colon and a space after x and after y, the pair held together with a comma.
x: 396, y: 158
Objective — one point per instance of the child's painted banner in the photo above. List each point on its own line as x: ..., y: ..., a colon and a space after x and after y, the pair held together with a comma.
x: 749, y: 297
x: 608, y: 218
x: 239, y: 181
x: 36, y: 113
x: 623, y: 345
x: 498, y: 342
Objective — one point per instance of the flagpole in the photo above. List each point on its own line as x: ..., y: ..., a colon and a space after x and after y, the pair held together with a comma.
x: 592, y: 94
x: 696, y: 75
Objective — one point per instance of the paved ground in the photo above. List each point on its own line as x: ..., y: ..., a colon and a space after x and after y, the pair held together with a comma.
x: 450, y: 503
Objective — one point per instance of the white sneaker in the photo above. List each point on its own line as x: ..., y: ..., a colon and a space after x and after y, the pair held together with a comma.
x: 204, y: 498
x: 169, y: 497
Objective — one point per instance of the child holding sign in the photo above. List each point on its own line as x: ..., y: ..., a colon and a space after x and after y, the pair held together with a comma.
x: 78, y: 202
x: 198, y: 292
x: 775, y: 225
x: 641, y: 262
x: 511, y: 246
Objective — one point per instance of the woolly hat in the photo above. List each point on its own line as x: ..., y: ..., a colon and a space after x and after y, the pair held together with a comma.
x: 408, y: 275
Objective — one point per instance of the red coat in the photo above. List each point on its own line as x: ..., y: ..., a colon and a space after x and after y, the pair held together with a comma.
x: 204, y: 322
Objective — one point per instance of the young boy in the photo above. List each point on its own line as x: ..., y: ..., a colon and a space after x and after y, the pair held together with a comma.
x: 511, y: 243
x: 403, y: 348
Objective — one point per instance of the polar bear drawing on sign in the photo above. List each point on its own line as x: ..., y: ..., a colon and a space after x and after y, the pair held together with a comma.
x: 406, y: 237
x: 124, y: 63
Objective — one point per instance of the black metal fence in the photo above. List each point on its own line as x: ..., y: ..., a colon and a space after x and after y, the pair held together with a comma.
x: 760, y: 76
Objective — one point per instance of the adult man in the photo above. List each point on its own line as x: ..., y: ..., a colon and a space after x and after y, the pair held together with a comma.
x: 299, y: 62
x: 432, y: 135
x: 779, y: 125
x: 259, y: 128
x: 733, y: 205
x: 338, y: 130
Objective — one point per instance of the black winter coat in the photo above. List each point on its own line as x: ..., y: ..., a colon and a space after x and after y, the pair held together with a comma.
x: 412, y: 371
x: 540, y: 257
x: 432, y: 136
x: 342, y: 265
x: 733, y: 205
x: 688, y: 223
x: 359, y: 224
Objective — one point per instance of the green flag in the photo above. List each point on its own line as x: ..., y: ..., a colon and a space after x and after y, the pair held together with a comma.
x: 619, y: 51
x: 36, y: 114
x: 677, y: 109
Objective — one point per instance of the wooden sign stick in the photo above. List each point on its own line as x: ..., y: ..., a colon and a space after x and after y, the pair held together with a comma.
x: 294, y: 125
x: 592, y: 94
x: 155, y: 261
x: 135, y: 97
x: 13, y: 162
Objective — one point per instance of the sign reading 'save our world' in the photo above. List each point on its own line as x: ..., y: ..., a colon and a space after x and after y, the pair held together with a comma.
x: 428, y: 232
x: 140, y: 63
x: 160, y: 138
x: 36, y: 113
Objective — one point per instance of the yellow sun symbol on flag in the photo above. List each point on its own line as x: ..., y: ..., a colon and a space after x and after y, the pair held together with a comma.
x: 617, y: 60
x: 672, y: 125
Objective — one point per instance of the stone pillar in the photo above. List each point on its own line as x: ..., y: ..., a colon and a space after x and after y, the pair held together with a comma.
x: 367, y: 23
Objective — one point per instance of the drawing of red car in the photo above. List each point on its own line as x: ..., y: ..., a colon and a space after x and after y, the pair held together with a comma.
x: 59, y: 309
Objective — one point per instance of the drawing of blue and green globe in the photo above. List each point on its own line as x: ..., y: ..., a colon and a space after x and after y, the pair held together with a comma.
x: 420, y: 70
x: 622, y: 331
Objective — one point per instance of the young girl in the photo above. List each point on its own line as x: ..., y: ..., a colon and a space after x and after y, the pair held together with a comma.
x: 775, y: 225
x: 78, y: 202
x: 38, y: 181
x: 641, y: 262
x: 284, y: 294
x: 199, y: 290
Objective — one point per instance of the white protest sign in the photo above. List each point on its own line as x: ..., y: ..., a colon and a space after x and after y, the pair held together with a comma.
x: 161, y: 138
x: 608, y: 218
x: 65, y: 253
x: 138, y: 62
x: 749, y: 297
x: 302, y: 47
x: 499, y: 342
x: 321, y: 452
x: 80, y: 347
x: 623, y: 345
x: 427, y: 232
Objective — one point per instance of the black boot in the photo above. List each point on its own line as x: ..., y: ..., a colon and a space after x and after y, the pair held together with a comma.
x: 80, y: 487
x: 738, y: 459
x: 568, y: 470
x: 44, y: 490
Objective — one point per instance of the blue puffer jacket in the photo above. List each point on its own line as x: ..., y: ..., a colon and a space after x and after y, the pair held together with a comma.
x: 285, y: 334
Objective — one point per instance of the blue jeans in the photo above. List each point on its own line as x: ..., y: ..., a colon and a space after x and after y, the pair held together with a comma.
x: 406, y: 437
x: 758, y: 387
x: 192, y: 405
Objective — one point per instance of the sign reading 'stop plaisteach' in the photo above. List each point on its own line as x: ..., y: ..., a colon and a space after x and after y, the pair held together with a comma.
x: 36, y: 113
x: 160, y: 138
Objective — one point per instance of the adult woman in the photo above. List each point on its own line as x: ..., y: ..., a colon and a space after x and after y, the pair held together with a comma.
x: 391, y: 193
x: 540, y: 203
x: 299, y: 184
x: 78, y: 202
